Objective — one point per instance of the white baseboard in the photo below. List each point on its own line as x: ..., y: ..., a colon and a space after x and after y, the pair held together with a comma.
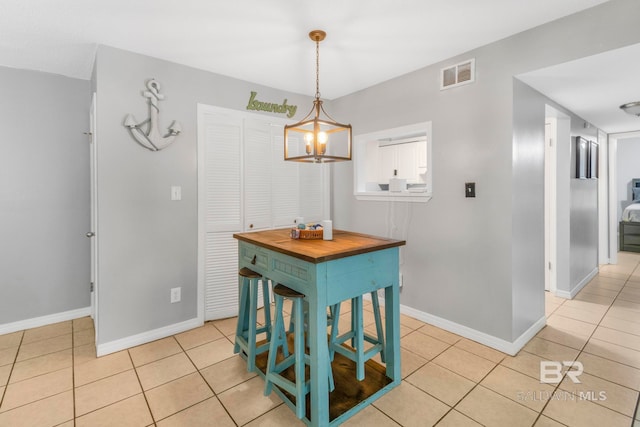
x: 36, y: 322
x: 511, y: 348
x: 578, y: 287
x: 148, y: 336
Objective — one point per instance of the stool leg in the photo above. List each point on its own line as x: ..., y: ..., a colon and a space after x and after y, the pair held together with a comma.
x: 358, y: 327
x: 332, y: 385
x: 243, y: 313
x: 251, y: 340
x: 299, y: 358
x: 267, y: 306
x: 335, y: 318
x: 378, y: 319
x: 276, y: 341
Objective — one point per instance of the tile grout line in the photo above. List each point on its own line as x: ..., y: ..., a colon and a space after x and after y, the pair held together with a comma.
x: 73, y: 373
x: 204, y: 379
x: 636, y: 413
x: 580, y: 351
x: 144, y: 395
x: 13, y: 365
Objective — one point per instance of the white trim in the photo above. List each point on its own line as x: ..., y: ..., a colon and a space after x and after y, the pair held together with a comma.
x: 603, y: 199
x: 148, y: 336
x: 200, y: 158
x: 579, y: 286
x: 613, y: 203
x: 551, y: 138
x: 511, y: 348
x: 44, y: 320
x: 385, y: 196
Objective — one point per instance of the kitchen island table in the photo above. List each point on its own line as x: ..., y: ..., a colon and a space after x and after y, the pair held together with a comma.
x: 328, y: 272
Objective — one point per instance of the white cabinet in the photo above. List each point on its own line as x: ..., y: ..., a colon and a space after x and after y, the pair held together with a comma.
x: 406, y: 160
x: 245, y: 185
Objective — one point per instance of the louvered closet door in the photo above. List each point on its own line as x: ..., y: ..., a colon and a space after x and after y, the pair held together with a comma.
x: 285, y: 183
x: 223, y: 213
x: 310, y: 198
x: 245, y: 185
x: 257, y: 175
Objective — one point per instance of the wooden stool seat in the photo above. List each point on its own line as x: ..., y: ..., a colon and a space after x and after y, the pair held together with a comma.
x: 248, y: 273
x: 247, y: 328
x: 300, y: 387
x: 357, y: 336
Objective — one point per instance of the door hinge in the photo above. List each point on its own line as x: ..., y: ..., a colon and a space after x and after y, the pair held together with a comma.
x: 91, y: 286
x: 549, y: 265
x: 550, y: 142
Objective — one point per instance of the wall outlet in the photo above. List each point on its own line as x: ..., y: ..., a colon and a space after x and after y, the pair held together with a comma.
x: 175, y: 295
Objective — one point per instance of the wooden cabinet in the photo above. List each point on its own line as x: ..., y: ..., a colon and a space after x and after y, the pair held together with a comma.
x: 629, y: 236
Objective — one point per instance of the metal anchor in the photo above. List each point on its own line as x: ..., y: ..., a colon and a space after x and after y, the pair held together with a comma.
x: 151, y: 138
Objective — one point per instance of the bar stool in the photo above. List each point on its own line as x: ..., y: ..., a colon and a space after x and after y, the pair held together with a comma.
x: 300, y: 387
x: 247, y: 329
x: 357, y: 335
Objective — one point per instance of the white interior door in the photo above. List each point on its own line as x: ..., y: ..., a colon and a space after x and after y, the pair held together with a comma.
x: 550, y: 172
x: 92, y: 234
x: 220, y: 209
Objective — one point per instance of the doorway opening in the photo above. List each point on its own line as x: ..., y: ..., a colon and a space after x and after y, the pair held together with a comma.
x: 617, y: 193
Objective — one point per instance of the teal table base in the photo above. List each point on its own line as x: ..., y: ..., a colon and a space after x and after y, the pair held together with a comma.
x: 324, y: 284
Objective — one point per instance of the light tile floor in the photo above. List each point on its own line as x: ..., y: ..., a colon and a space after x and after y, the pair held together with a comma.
x: 49, y: 376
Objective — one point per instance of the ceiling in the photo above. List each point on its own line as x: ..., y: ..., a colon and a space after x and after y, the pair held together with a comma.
x: 266, y: 42
x: 594, y: 87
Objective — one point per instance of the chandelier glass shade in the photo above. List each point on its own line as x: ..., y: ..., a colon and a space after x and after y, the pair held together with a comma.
x: 317, y: 138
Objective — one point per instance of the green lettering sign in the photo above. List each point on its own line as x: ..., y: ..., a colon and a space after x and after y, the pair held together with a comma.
x: 284, y: 108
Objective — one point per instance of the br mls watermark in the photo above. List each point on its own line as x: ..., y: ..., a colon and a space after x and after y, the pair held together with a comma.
x: 552, y: 372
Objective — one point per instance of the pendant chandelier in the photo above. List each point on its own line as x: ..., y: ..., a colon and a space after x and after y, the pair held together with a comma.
x: 317, y: 138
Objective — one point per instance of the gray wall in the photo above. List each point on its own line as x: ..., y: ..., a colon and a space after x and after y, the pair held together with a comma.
x: 148, y: 243
x: 477, y: 262
x: 628, y: 168
x: 44, y: 194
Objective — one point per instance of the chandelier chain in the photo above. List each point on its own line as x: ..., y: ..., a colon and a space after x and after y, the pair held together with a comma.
x: 317, y: 69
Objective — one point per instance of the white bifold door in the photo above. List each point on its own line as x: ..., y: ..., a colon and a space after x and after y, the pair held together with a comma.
x: 245, y: 185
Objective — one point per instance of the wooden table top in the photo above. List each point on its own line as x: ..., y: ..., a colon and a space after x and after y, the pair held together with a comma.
x: 344, y: 244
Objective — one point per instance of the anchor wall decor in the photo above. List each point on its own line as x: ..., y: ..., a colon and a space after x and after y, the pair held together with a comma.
x: 151, y: 138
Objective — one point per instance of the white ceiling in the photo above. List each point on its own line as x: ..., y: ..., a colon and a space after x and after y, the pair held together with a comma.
x: 267, y: 42
x: 595, y: 87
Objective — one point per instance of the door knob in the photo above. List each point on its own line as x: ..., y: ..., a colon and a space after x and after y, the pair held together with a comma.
x: 91, y: 234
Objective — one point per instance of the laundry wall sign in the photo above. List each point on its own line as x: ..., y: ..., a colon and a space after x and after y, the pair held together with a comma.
x: 283, y: 108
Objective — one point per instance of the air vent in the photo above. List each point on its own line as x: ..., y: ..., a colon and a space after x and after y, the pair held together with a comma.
x: 459, y: 74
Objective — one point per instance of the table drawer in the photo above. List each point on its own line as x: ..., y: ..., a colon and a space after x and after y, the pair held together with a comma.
x: 254, y: 255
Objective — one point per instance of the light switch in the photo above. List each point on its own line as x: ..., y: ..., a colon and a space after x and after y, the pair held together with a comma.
x: 176, y: 192
x: 470, y: 189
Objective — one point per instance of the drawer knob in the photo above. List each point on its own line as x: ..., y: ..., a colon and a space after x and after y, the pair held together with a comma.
x: 253, y: 261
